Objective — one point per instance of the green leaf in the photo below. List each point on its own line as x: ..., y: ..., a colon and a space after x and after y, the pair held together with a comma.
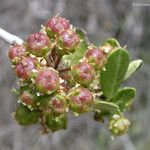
x: 79, y: 53
x: 113, y: 42
x: 25, y: 116
x: 123, y: 97
x: 113, y: 73
x: 106, y: 106
x: 133, y: 66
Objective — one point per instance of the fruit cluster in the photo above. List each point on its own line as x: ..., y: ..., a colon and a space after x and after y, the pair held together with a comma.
x: 49, y: 86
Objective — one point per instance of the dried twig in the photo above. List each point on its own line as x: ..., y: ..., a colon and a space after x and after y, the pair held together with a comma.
x: 9, y: 38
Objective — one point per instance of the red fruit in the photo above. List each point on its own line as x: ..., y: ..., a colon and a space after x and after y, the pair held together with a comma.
x: 83, y: 73
x: 47, y: 81
x: 27, y: 98
x: 16, y: 52
x: 27, y: 68
x: 58, y: 104
x: 69, y: 41
x: 80, y: 99
x: 57, y: 24
x: 38, y: 44
x: 96, y: 57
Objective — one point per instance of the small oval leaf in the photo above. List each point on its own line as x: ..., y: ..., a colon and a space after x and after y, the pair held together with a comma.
x: 113, y: 73
x: 133, y: 66
x: 113, y: 42
x: 106, y: 106
x: 123, y: 97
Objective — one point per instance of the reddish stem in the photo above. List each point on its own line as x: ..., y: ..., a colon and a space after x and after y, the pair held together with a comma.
x: 58, y: 61
x: 53, y: 54
x: 64, y: 70
x: 65, y: 76
x: 49, y: 61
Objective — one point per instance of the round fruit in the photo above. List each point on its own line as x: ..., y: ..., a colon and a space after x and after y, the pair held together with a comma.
x: 96, y: 57
x: 80, y: 100
x: 69, y: 41
x: 83, y: 73
x: 16, y: 52
x: 118, y: 125
x: 38, y: 44
x: 27, y: 68
x: 47, y: 81
x: 27, y: 98
x: 58, y: 104
x: 56, y: 24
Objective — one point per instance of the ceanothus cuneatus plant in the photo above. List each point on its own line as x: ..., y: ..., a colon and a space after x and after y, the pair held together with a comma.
x: 59, y: 72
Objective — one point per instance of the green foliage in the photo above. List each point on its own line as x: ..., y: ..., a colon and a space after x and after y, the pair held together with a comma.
x: 113, y: 73
x: 74, y: 75
x: 56, y: 123
x: 111, y: 41
x: 106, y: 106
x: 133, y: 67
x: 123, y: 97
x: 25, y: 116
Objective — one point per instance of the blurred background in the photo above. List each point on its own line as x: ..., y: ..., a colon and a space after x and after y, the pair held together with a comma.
x: 126, y: 20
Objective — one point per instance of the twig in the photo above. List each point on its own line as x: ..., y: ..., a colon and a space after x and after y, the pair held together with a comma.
x: 65, y: 77
x: 53, y: 54
x: 64, y: 70
x: 9, y: 38
x: 58, y: 61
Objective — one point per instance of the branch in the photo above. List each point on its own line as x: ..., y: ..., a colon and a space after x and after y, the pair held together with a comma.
x: 58, y: 61
x: 65, y: 69
x: 9, y: 38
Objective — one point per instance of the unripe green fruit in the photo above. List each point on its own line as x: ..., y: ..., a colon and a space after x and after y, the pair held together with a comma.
x: 56, y: 123
x: 47, y: 81
x: 118, y: 125
x: 16, y: 52
x: 38, y: 44
x: 80, y: 100
x: 25, y: 116
x: 83, y: 73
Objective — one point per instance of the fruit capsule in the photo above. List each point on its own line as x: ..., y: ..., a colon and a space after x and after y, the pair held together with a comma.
x: 80, y: 99
x: 56, y: 24
x: 83, y: 73
x: 47, y: 81
x: 96, y: 57
x: 16, y: 52
x: 27, y: 68
x: 38, y: 44
x: 68, y: 41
